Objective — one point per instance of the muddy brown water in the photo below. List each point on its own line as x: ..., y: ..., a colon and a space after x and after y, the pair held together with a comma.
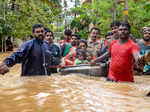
x: 70, y: 93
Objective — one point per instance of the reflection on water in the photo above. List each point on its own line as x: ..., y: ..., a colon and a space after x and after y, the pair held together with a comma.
x: 71, y: 93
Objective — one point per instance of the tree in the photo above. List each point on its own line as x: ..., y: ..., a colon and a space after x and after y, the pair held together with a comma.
x: 99, y: 12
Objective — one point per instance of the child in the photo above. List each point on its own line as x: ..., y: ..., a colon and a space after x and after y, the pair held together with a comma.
x: 89, y: 56
x: 81, y: 57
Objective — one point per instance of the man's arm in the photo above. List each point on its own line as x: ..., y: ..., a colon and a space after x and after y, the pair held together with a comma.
x: 16, y: 57
x: 141, y: 60
x: 101, y: 58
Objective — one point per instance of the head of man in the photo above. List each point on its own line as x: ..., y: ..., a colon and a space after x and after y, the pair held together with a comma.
x: 38, y: 31
x: 124, y: 31
x: 114, y: 27
x: 146, y: 34
x: 48, y: 35
x: 94, y: 33
x: 75, y: 40
x: 67, y: 34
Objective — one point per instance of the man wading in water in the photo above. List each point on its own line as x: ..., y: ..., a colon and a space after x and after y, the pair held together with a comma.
x: 123, y: 52
x: 34, y: 55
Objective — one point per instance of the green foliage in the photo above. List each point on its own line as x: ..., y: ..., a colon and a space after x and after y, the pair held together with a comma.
x: 100, y: 12
x: 81, y: 23
x: 26, y: 13
x: 60, y: 29
x: 5, y: 27
x: 20, y: 19
x: 139, y: 14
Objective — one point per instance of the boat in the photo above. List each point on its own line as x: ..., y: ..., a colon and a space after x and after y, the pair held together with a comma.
x: 98, y: 70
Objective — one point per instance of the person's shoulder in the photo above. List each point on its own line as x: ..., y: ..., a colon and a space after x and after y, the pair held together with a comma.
x: 114, y: 41
x: 55, y: 45
x: 77, y: 60
x: 68, y: 45
x: 28, y: 42
x: 132, y: 42
x: 140, y: 42
x: 45, y: 42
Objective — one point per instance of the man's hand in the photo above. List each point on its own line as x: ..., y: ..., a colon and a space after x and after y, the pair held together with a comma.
x: 3, y: 68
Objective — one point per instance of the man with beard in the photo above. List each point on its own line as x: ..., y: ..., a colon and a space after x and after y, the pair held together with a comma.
x: 144, y: 46
x: 34, y: 55
x: 123, y: 52
x: 70, y: 58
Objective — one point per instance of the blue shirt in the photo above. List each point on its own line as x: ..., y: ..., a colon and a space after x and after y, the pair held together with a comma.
x: 35, y: 57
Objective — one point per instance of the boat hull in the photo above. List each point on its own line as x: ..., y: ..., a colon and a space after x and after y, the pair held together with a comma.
x: 86, y: 70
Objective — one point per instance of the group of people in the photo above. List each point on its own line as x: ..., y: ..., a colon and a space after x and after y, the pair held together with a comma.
x: 41, y: 56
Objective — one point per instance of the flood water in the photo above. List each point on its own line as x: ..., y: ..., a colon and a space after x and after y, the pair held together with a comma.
x: 70, y: 93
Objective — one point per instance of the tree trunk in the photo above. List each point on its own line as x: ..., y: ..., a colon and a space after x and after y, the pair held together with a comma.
x: 2, y: 46
x: 115, y: 10
x: 3, y: 8
x: 126, y: 10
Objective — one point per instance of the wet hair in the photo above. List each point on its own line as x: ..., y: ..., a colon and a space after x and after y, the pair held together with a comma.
x: 126, y: 24
x: 108, y: 34
x: 83, y: 41
x: 75, y: 36
x: 115, y: 23
x: 36, y: 26
x: 68, y: 32
x: 94, y: 28
x: 81, y: 51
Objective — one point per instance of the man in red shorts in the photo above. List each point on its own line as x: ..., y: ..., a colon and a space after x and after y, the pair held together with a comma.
x: 123, y: 52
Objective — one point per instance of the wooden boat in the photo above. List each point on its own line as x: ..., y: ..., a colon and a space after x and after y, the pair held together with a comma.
x: 98, y: 70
